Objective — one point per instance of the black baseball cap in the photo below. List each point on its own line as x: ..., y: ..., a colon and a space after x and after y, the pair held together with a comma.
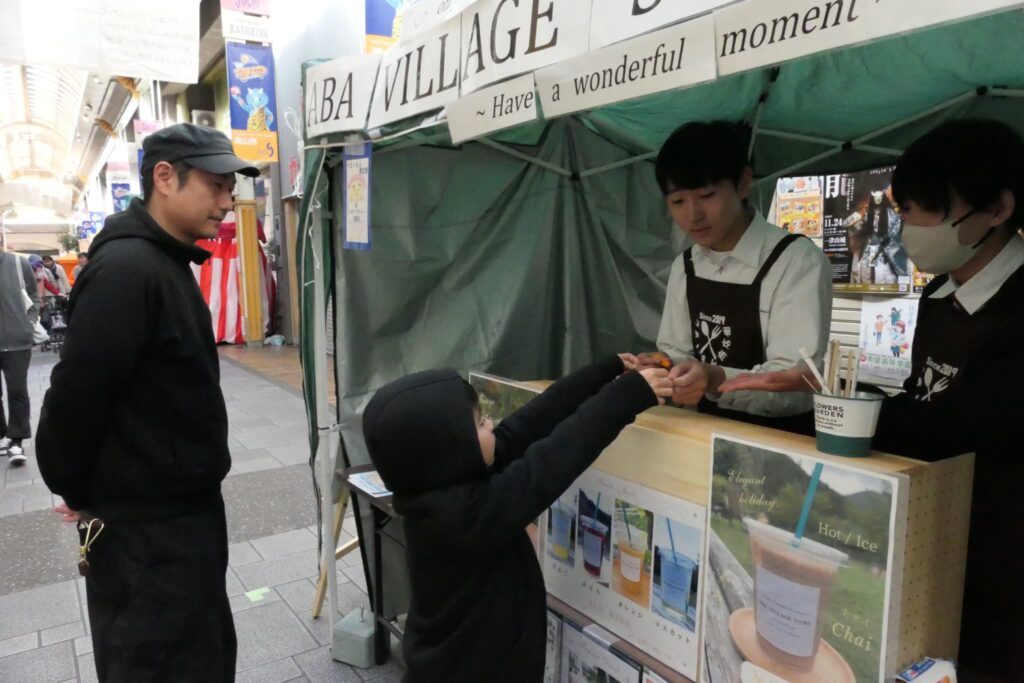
x: 204, y: 148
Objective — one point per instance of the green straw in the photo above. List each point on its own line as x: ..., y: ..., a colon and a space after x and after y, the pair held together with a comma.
x: 808, y: 499
x: 625, y: 520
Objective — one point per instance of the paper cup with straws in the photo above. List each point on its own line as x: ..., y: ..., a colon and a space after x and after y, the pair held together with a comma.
x: 845, y: 425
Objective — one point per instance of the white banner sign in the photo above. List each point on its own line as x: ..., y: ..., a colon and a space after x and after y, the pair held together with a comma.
x: 504, y: 38
x: 418, y: 76
x: 243, y: 27
x: 754, y: 34
x: 485, y: 111
x: 676, y: 57
x: 426, y: 14
x: 337, y: 94
x: 616, y: 20
x: 124, y: 37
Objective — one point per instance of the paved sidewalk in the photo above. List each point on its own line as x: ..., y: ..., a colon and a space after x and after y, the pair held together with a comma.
x: 44, y: 630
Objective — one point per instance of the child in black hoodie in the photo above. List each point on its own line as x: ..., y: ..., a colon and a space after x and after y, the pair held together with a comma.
x: 467, y: 490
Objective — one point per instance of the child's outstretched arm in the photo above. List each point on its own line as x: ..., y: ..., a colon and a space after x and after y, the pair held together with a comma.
x: 528, y: 486
x: 542, y: 414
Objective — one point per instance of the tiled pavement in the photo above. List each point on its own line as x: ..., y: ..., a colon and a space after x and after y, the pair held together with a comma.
x: 44, y: 629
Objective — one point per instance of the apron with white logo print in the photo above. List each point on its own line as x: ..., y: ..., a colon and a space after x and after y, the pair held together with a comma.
x: 725, y: 319
x: 946, y: 338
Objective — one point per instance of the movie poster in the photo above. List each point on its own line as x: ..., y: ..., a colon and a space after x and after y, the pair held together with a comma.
x: 862, y: 228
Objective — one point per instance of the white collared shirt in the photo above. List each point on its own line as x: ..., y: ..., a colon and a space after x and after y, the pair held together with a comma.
x: 795, y: 307
x: 976, y: 292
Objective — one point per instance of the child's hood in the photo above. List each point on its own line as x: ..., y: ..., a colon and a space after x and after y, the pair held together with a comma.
x: 420, y: 432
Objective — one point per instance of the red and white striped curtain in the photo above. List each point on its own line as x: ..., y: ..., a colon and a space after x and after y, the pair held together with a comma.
x: 220, y: 279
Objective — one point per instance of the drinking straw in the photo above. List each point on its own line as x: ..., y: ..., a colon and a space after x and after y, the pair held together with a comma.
x: 597, y: 505
x: 851, y: 363
x: 828, y: 359
x: 835, y: 351
x: 625, y: 520
x: 809, y: 384
x: 856, y: 374
x: 812, y: 487
x: 671, y: 541
x: 814, y: 371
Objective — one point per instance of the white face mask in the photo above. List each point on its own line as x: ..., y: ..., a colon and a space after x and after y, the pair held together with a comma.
x: 937, y: 249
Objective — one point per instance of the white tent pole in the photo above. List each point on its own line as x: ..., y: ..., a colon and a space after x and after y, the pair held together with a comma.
x: 859, y: 142
x: 755, y: 126
x: 916, y: 117
x: 325, y: 447
x: 313, y: 227
x: 618, y: 164
x: 826, y: 141
x: 524, y: 157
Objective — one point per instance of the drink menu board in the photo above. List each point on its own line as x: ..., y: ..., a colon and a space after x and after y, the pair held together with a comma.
x: 630, y: 558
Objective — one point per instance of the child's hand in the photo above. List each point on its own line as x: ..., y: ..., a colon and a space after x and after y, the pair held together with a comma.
x: 658, y: 381
x: 629, y: 361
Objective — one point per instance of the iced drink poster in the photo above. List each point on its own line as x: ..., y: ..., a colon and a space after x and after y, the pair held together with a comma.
x: 630, y: 558
x: 801, y: 556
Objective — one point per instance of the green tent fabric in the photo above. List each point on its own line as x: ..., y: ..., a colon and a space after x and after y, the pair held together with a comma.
x: 483, y: 259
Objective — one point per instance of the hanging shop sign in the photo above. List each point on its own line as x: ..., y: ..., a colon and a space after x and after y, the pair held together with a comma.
x: 158, y: 41
x: 676, y: 57
x: 501, y: 106
x: 588, y: 53
x: 505, y: 38
x: 754, y: 34
x: 261, y: 7
x: 245, y: 27
x: 337, y: 94
x: 253, y: 101
x: 418, y: 76
x: 616, y: 20
x: 426, y: 14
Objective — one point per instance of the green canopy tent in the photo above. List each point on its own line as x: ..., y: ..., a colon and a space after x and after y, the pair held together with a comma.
x: 532, y: 251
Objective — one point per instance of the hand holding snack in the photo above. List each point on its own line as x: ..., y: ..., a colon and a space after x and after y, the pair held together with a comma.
x: 661, y: 385
x: 655, y: 359
x: 691, y: 381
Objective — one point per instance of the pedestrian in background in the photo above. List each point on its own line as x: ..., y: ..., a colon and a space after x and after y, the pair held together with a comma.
x: 18, y: 292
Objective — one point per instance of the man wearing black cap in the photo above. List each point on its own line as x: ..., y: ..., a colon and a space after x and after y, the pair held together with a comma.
x: 133, y: 431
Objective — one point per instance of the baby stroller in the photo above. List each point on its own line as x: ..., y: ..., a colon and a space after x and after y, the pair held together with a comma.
x: 54, y: 321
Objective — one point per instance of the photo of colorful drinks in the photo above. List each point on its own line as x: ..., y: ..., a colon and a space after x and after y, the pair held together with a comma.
x: 561, y: 536
x: 677, y: 553
x: 631, y: 552
x: 594, y: 537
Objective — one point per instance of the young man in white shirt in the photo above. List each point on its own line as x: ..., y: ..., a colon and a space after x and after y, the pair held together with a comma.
x: 746, y: 295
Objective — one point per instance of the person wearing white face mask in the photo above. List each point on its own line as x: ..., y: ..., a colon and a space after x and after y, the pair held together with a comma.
x: 960, y: 189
